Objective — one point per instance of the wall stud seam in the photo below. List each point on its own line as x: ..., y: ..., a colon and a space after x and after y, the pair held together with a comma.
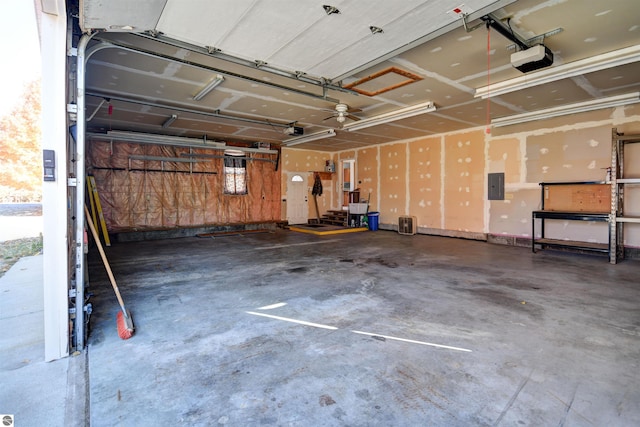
x: 407, y: 208
x: 442, y: 180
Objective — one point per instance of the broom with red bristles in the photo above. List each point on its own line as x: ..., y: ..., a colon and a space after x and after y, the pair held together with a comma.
x: 124, y: 321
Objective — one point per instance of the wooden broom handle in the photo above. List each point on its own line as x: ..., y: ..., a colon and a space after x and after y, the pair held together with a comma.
x: 104, y: 259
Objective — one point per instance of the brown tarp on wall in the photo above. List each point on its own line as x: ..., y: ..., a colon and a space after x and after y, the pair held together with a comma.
x: 149, y: 194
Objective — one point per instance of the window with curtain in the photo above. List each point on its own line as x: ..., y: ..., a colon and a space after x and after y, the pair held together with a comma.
x: 235, y: 175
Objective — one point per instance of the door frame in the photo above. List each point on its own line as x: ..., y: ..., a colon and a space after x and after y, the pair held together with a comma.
x: 305, y: 206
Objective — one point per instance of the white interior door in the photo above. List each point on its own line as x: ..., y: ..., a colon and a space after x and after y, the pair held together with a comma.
x: 297, y: 198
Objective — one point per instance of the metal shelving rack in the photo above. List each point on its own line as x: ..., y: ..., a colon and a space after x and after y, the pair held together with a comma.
x: 618, y: 183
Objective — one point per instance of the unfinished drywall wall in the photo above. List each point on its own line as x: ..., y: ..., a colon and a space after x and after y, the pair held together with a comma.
x: 442, y: 179
x: 556, y: 150
x: 504, y: 155
x: 511, y: 216
x: 546, y: 154
x: 394, y: 175
x: 464, y: 184
x: 149, y: 194
x: 425, y: 181
x: 573, y: 155
x: 581, y: 152
x: 367, y: 175
x: 296, y: 160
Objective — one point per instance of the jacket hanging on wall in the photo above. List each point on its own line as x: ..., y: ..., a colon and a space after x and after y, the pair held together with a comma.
x: 317, y: 185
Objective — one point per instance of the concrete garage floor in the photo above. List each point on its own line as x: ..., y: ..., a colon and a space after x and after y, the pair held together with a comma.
x: 404, y: 331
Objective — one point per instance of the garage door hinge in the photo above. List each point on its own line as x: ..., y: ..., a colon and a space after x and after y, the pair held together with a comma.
x: 72, y: 108
x: 72, y: 310
x: 72, y: 182
x: 72, y: 293
x: 72, y: 51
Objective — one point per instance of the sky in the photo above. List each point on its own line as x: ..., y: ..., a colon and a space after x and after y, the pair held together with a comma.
x: 20, y: 44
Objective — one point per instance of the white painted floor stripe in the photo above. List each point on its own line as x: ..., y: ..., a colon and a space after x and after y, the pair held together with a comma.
x: 300, y: 322
x: 272, y: 306
x: 411, y: 341
x: 333, y: 328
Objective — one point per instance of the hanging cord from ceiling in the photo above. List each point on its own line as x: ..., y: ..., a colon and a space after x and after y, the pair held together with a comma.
x: 488, y: 122
x: 513, y: 34
x: 110, y: 113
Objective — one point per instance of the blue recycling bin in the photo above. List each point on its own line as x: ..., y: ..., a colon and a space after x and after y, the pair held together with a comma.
x: 373, y: 220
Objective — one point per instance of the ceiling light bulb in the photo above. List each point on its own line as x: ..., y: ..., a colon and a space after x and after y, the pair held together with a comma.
x: 340, y: 118
x: 342, y: 108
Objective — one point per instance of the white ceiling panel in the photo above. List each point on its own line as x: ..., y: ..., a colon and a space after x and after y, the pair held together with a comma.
x: 300, y: 36
x: 409, y: 22
x: 270, y: 27
x: 202, y: 22
x: 337, y: 43
x: 121, y: 15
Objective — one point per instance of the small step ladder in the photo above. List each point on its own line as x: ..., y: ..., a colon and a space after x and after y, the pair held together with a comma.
x: 335, y: 217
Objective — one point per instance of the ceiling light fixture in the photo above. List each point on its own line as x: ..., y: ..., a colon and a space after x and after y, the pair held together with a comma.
x: 208, y: 88
x: 392, y: 116
x: 342, y: 110
x: 172, y: 118
x: 233, y: 152
x: 164, y: 159
x: 181, y: 141
x: 588, y: 65
x: 227, y: 152
x: 152, y: 138
x: 308, y: 138
x: 563, y: 110
x: 175, y: 107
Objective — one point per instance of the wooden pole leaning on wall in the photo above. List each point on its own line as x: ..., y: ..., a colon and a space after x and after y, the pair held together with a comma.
x: 93, y: 195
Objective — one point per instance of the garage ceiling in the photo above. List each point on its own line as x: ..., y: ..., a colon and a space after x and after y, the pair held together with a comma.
x: 290, y: 62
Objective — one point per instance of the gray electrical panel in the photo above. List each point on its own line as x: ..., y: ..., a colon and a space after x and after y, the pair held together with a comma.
x: 496, y: 186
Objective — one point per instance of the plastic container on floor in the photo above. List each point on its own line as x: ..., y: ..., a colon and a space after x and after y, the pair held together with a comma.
x: 373, y: 220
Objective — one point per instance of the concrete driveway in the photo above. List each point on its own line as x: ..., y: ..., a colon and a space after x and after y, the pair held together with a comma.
x: 20, y: 220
